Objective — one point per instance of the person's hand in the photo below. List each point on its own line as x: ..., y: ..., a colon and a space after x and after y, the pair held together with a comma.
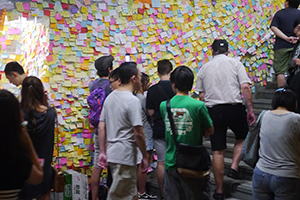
x: 102, y: 161
x: 292, y: 39
x: 297, y: 61
x: 144, y: 164
x: 251, y: 118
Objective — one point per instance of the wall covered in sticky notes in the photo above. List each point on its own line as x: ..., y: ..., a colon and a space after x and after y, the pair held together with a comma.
x: 149, y: 30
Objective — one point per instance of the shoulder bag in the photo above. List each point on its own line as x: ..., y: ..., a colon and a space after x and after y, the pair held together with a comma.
x: 191, y: 161
x: 251, y: 145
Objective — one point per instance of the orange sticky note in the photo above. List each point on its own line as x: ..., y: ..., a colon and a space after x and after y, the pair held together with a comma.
x: 69, y: 163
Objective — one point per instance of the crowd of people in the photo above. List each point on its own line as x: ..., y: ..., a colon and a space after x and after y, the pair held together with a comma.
x: 135, y: 119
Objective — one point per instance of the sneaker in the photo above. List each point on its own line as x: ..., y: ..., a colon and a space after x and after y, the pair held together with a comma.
x: 233, y: 174
x: 218, y: 196
x: 146, y: 196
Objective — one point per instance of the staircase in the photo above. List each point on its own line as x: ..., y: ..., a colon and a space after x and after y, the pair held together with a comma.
x: 233, y: 189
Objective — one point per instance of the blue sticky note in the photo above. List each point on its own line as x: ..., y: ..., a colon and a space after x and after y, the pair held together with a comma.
x: 54, y: 66
x: 155, y: 3
x: 100, y: 35
x: 128, y: 32
x: 74, y: 48
x: 82, y: 146
x: 83, y: 23
x: 58, y: 96
x: 78, y: 53
x: 111, y: 33
x: 62, y: 148
x: 92, y: 44
x: 52, y: 36
x: 60, y: 26
x: 173, y: 42
x: 145, y: 34
x: 60, y: 57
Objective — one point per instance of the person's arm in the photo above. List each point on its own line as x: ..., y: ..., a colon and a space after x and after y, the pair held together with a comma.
x: 201, y: 96
x: 140, y: 140
x: 36, y: 174
x: 281, y: 35
x: 102, y: 140
x: 248, y: 98
x: 208, y: 131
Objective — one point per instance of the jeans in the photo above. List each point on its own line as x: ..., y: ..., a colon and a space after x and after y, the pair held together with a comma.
x: 268, y: 187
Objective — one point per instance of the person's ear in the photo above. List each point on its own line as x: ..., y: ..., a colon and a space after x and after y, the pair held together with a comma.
x: 15, y: 74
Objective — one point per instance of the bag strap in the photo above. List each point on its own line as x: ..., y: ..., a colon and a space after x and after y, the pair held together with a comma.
x: 172, y: 122
x: 259, y: 119
x: 161, y: 89
x: 56, y: 132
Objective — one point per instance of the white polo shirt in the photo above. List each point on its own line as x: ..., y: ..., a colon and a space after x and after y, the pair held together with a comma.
x: 220, y: 80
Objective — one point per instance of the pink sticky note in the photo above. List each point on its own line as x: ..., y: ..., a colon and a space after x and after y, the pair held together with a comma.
x: 128, y: 50
x: 81, y: 163
x: 74, y: 80
x: 90, y: 17
x: 57, y: 16
x: 69, y: 110
x: 63, y: 161
x: 98, y: 29
x: 49, y: 58
x: 26, y: 6
x: 3, y: 46
x: 157, y: 48
x: 98, y: 43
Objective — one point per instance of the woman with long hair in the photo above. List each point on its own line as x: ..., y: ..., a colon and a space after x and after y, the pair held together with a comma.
x: 41, y: 125
x: 19, y: 161
x: 277, y: 172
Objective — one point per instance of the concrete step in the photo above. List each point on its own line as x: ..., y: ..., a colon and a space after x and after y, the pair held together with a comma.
x: 239, y: 189
x: 229, y: 187
x: 262, y: 104
x: 246, y: 171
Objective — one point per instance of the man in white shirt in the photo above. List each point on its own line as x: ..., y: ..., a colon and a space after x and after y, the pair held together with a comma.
x: 219, y: 83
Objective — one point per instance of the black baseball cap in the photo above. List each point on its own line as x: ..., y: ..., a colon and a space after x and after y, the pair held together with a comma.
x: 219, y: 43
x: 104, y: 62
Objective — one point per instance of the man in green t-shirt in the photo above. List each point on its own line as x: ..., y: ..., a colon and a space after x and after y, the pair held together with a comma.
x: 192, y: 122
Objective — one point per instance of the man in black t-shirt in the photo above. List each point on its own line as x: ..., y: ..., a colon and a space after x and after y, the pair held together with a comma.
x: 282, y: 26
x: 159, y: 92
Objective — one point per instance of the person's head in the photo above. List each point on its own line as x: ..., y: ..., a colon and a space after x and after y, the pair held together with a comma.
x: 285, y: 98
x: 145, y: 81
x: 297, y: 27
x: 14, y: 72
x: 219, y: 46
x: 10, y: 122
x: 292, y: 3
x: 182, y: 79
x: 164, y: 67
x: 130, y: 74
x: 104, y: 65
x: 114, y: 79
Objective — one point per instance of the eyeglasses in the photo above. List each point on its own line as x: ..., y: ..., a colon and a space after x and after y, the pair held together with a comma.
x: 280, y: 89
x: 113, y: 81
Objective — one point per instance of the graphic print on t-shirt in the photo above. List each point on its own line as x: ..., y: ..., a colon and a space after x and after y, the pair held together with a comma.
x: 182, y: 119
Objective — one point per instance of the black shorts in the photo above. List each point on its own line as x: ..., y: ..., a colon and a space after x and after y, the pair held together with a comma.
x: 233, y: 116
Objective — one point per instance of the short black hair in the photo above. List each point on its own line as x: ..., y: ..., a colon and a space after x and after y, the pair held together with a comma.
x: 219, y: 46
x: 285, y: 98
x: 13, y: 67
x: 114, y: 74
x: 296, y: 22
x: 126, y: 71
x: 183, y: 78
x: 164, y: 67
x: 145, y: 78
x: 293, y: 3
x: 103, y: 64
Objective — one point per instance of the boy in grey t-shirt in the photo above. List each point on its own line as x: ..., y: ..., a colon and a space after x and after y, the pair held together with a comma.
x: 121, y: 125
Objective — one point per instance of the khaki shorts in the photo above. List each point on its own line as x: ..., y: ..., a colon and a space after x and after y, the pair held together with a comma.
x: 124, y: 182
x: 281, y: 60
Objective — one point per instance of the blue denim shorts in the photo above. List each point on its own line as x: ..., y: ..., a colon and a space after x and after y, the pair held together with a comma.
x: 268, y: 187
